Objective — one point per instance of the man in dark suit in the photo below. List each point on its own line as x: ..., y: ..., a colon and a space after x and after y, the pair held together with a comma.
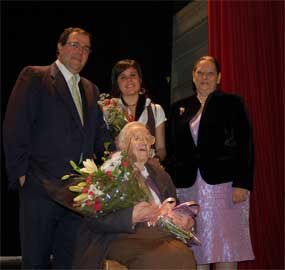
x: 52, y: 117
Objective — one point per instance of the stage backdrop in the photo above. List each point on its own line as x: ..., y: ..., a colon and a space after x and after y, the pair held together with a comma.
x: 247, y: 37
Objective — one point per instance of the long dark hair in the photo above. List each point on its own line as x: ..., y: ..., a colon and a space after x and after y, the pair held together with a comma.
x: 117, y: 69
x: 120, y: 67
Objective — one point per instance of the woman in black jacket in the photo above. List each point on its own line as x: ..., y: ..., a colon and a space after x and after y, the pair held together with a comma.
x: 211, y: 161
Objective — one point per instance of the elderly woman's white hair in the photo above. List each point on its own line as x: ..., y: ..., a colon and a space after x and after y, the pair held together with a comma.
x: 124, y: 137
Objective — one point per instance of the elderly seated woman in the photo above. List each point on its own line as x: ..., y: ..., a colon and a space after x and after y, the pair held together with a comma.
x: 125, y: 235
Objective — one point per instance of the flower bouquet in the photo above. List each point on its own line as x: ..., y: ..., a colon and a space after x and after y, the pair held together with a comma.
x: 114, y: 115
x: 113, y: 186
x: 190, y: 208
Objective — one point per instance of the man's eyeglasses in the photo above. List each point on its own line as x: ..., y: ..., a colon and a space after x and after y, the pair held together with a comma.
x: 77, y: 46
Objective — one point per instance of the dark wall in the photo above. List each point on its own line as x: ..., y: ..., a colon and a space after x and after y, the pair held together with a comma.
x: 29, y: 33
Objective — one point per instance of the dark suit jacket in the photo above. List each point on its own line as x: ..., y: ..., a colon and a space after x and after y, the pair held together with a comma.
x: 42, y: 129
x: 224, y: 150
x: 96, y: 234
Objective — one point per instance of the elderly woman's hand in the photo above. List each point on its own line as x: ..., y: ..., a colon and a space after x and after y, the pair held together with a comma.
x: 144, y: 211
x: 186, y: 222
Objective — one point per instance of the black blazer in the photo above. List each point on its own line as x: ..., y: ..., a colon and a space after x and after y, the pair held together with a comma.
x: 224, y: 150
x: 42, y: 129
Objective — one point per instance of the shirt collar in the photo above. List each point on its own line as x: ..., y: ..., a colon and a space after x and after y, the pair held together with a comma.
x: 65, y: 72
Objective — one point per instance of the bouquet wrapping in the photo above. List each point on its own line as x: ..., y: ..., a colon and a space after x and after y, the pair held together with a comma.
x: 190, y: 208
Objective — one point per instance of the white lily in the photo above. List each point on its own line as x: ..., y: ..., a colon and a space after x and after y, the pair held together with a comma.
x: 112, y: 163
x: 89, y: 166
x: 97, y: 192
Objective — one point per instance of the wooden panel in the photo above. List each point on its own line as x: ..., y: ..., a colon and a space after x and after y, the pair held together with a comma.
x: 190, y: 41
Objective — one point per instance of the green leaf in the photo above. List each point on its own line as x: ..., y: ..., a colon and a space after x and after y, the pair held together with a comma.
x: 76, y: 168
x: 107, y: 145
x: 73, y: 164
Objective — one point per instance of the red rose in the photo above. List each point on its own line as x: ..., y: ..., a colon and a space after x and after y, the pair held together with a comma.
x: 125, y: 164
x: 88, y: 203
x: 109, y: 173
x: 85, y: 190
x: 97, y: 205
x: 107, y: 102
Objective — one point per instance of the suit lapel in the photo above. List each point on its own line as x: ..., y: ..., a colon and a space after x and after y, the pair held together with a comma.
x: 88, y: 99
x: 207, y: 111
x: 191, y: 106
x: 61, y: 87
x: 157, y: 178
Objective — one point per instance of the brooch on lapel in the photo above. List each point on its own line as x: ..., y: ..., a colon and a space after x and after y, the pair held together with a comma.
x: 181, y: 110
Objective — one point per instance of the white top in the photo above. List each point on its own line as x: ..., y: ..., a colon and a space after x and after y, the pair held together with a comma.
x: 158, y: 112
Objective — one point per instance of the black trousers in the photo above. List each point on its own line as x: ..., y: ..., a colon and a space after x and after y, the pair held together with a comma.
x: 46, y: 228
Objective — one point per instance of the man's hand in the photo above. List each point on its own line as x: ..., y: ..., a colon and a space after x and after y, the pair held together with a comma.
x: 22, y: 180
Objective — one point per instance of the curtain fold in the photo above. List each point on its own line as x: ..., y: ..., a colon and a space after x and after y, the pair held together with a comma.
x: 247, y: 37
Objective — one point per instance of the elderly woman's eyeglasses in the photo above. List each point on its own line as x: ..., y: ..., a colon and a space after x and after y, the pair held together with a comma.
x: 77, y: 46
x: 143, y: 138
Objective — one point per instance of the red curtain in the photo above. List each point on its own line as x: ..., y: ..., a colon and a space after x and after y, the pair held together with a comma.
x: 247, y: 37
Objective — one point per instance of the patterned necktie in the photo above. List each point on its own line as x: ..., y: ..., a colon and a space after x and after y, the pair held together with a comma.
x: 76, y: 97
x: 153, y: 186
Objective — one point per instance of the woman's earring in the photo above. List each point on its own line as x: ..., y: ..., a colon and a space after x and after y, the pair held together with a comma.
x: 142, y: 91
